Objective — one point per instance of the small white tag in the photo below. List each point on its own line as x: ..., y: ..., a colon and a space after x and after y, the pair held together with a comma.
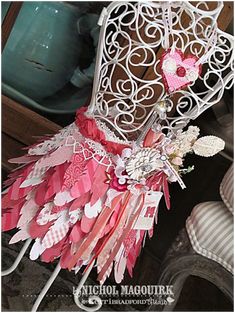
x: 151, y: 204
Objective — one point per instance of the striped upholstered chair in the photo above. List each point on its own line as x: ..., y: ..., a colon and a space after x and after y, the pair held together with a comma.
x: 204, y: 247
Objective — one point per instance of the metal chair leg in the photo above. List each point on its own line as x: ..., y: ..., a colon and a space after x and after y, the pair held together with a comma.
x: 91, y: 299
x: 18, y: 259
x: 46, y: 288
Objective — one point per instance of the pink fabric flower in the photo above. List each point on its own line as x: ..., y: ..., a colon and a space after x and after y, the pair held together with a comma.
x: 115, y: 184
x: 170, y: 149
x: 177, y: 161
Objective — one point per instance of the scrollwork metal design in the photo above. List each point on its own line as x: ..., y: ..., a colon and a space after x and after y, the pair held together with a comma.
x: 130, y: 39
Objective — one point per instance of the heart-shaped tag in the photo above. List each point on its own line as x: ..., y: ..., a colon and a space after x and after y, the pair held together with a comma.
x: 178, y: 70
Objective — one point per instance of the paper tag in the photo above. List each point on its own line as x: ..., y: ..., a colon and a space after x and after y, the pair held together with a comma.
x: 146, y: 219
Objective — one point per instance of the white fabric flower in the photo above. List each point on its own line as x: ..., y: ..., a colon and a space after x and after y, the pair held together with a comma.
x: 184, y: 140
x: 142, y: 163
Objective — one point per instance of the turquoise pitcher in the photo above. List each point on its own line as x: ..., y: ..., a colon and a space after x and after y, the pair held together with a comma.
x: 43, y: 49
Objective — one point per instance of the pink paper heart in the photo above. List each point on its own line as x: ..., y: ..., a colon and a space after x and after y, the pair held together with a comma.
x: 178, y: 70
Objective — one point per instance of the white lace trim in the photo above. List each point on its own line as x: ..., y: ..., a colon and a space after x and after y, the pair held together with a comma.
x: 109, y: 134
x: 48, y: 145
x: 94, y: 149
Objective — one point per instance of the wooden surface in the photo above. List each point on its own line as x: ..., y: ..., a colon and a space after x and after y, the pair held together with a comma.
x: 10, y: 148
x: 19, y: 126
x: 9, y: 21
x: 226, y: 15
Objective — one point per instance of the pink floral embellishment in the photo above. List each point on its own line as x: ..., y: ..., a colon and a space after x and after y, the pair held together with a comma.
x: 115, y: 184
x: 178, y: 70
x: 177, y: 161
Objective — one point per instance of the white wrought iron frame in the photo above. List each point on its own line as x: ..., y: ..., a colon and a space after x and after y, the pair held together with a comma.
x: 115, y: 101
x: 213, y: 47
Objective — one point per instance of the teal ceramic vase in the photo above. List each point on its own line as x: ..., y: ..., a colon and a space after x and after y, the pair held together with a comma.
x: 43, y: 49
x: 87, y: 24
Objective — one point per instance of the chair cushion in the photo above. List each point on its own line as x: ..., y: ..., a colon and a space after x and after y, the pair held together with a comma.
x: 226, y: 189
x: 210, y: 229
